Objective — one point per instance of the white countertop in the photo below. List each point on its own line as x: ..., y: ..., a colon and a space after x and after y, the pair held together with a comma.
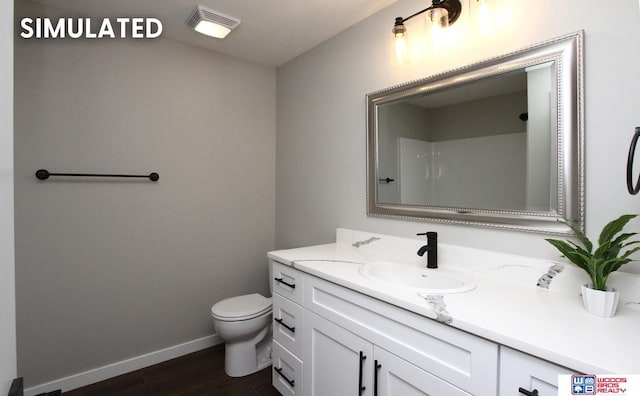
x: 507, y: 306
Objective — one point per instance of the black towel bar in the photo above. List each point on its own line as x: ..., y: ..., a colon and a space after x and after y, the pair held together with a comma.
x: 44, y: 174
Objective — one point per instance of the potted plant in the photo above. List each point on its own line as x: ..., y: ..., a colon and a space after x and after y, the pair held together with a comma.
x: 599, y: 299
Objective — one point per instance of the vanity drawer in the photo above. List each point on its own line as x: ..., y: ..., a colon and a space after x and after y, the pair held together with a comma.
x: 287, y: 371
x: 287, y: 282
x: 519, y: 370
x: 287, y: 324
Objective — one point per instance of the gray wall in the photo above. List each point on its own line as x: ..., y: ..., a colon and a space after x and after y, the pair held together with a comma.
x: 7, y: 269
x: 321, y: 118
x: 490, y: 116
x: 108, y: 270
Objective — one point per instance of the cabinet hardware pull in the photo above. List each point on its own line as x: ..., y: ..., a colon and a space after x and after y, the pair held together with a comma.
x: 377, y: 367
x: 280, y: 280
x: 279, y: 371
x: 290, y: 328
x: 360, y: 387
x: 528, y: 393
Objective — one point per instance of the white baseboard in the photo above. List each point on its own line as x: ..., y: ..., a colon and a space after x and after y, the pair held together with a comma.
x: 113, y: 370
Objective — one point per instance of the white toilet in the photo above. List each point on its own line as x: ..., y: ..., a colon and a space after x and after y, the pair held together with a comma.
x: 244, y: 324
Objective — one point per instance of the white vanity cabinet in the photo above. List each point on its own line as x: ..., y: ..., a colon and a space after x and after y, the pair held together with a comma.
x: 331, y: 340
x: 522, y: 374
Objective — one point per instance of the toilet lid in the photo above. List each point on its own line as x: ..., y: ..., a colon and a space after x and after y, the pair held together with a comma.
x: 241, y: 307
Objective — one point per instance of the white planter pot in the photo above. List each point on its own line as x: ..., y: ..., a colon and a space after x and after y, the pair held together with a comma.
x: 600, y: 303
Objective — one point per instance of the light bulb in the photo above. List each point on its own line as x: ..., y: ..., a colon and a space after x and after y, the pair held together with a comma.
x: 399, y: 43
x: 485, y: 18
x: 401, y: 50
x: 438, y: 17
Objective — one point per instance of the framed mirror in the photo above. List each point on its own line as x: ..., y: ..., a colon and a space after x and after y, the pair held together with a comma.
x: 497, y: 144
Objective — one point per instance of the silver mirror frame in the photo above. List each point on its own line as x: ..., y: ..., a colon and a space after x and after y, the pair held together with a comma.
x: 568, y: 54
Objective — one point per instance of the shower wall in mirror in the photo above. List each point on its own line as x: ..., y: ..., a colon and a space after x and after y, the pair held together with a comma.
x: 497, y: 144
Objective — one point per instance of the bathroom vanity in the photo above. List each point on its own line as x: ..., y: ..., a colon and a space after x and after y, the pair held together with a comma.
x: 513, y: 324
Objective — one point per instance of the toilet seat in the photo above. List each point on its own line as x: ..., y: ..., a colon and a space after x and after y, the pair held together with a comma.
x: 241, y: 308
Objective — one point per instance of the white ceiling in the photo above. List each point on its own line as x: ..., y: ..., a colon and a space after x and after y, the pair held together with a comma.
x: 271, y: 33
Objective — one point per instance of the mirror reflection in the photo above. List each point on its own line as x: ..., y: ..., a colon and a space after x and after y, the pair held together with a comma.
x: 487, y: 144
x: 499, y: 143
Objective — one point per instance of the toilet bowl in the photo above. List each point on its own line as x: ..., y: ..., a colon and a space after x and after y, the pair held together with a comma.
x: 244, y: 324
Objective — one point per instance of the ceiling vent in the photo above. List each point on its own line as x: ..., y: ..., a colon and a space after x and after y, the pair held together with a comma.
x: 211, y: 23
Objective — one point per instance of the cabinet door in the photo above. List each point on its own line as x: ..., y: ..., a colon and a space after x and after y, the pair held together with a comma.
x: 519, y: 370
x: 397, y: 377
x: 336, y: 361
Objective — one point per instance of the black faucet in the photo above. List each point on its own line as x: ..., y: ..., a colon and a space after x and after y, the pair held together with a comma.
x: 431, y: 248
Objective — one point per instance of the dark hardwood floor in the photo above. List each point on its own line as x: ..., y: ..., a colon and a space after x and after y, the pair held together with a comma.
x: 197, y: 374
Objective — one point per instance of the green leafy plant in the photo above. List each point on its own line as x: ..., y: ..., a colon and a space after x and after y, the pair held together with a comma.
x: 607, y: 258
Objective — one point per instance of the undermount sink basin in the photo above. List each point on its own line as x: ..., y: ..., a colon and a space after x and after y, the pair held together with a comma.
x: 417, y: 278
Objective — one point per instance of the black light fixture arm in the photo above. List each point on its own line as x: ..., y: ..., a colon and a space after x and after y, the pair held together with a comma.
x: 416, y: 14
x: 454, y: 7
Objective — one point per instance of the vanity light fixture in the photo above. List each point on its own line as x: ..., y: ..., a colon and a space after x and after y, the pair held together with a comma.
x: 440, y: 15
x: 211, y: 23
x: 441, y: 12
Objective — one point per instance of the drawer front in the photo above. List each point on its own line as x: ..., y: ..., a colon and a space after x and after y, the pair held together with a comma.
x: 287, y: 371
x: 287, y: 324
x: 396, y: 376
x: 287, y: 282
x: 519, y: 370
x: 469, y: 362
